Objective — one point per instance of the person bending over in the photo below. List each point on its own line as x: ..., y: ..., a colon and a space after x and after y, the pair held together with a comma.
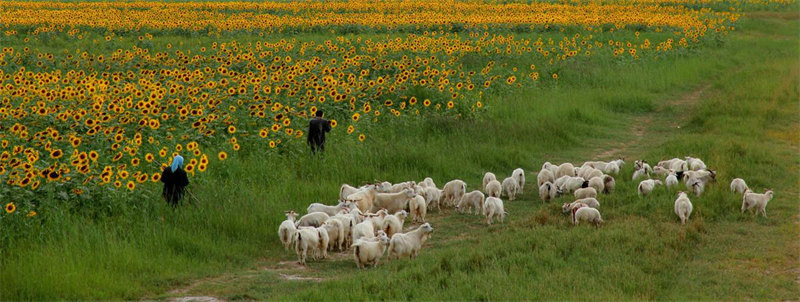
x: 317, y: 128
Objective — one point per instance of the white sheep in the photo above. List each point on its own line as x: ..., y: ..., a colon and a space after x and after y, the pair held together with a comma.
x: 598, y: 183
x: 659, y: 170
x: 370, y: 252
x: 494, y: 188
x: 571, y: 206
x: 587, y: 192
x: 330, y: 210
x: 565, y: 169
x: 676, y: 164
x: 347, y: 190
x: 409, y: 244
x: 751, y: 199
x: 611, y: 167
x: 589, y: 214
x: 347, y: 224
x: 647, y: 186
x: 393, y: 224
x: 591, y: 173
x: 336, y: 233
x: 400, y: 187
x: 738, y: 186
x: 315, y: 219
x: 306, y: 238
x: 471, y: 200
x: 640, y: 173
x: 452, y: 192
x: 671, y: 180
x: 573, y: 183
x: 548, y: 166
x: 428, y: 183
x: 547, y: 191
x: 493, y: 207
x: 418, y: 208
x: 489, y: 176
x: 642, y: 164
x: 365, y: 229
x: 376, y: 218
x: 392, y: 202
x: 432, y: 196
x: 695, y: 163
x: 608, y: 184
x: 287, y: 228
x: 696, y: 185
x: 683, y: 207
x: 705, y: 176
x: 510, y: 187
x: 519, y: 175
x: 544, y: 176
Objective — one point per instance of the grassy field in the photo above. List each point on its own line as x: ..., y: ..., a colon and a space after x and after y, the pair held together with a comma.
x: 735, y: 105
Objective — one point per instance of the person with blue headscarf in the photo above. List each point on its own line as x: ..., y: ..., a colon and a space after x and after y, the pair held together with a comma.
x: 175, y: 181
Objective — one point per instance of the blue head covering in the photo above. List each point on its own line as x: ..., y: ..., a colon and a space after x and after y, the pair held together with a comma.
x: 177, y: 162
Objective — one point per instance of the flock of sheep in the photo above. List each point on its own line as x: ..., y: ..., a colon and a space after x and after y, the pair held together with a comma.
x: 369, y: 219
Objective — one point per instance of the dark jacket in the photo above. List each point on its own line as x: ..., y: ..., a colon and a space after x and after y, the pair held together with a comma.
x: 174, y: 185
x: 316, y: 130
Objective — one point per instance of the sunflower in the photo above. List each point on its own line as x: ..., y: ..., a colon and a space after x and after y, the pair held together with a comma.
x: 131, y: 185
x: 31, y: 214
x: 350, y: 129
x: 156, y: 177
x: 222, y: 155
x: 356, y: 116
x: 426, y: 102
x: 236, y: 147
x: 334, y: 123
x: 450, y: 104
x: 362, y: 137
x: 56, y: 154
x: 272, y: 144
x: 231, y: 129
x: 10, y: 207
x: 555, y: 76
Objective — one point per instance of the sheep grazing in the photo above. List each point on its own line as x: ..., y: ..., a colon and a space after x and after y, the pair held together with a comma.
x: 330, y: 210
x: 547, y: 191
x: 658, y: 170
x: 493, y: 188
x: 705, y: 176
x: 585, y: 193
x: 287, y: 229
x: 409, y: 244
x: 370, y: 252
x: 544, y: 176
x: 570, y: 206
x: 471, y: 200
x: 640, y: 173
x: 519, y: 175
x: 695, y: 164
x: 608, y: 184
x: 751, y: 199
x: 683, y: 207
x: 347, y: 190
x: 452, y: 192
x: 418, y: 208
x: 335, y: 231
x: 598, y: 183
x: 432, y: 196
x: 392, y: 202
x: 427, y: 183
x: 647, y: 186
x: 365, y: 229
x: 671, y: 180
x: 697, y: 186
x: 488, y: 177
x: 347, y: 223
x: 308, y: 238
x: 510, y: 187
x: 676, y: 164
x: 393, y: 224
x: 551, y: 167
x: 642, y: 165
x: 738, y: 186
x: 315, y: 219
x: 565, y: 169
x: 397, y: 188
x: 611, y: 167
x: 573, y: 183
x: 493, y: 207
x: 588, y: 214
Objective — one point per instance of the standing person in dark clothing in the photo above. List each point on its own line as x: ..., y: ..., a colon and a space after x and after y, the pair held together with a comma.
x: 316, y: 131
x: 175, y: 181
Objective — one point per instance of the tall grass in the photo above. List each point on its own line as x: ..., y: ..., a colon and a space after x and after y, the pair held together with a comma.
x: 745, y: 125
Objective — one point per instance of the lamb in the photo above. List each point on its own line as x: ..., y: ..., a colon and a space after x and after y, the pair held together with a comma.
x: 370, y: 252
x: 452, y: 192
x: 365, y: 229
x: 330, y: 210
x: 647, y: 186
x: 336, y: 234
x: 315, y: 219
x: 392, y: 202
x: 394, y: 223
x: 587, y: 192
x: 591, y: 215
x: 545, y: 176
x: 573, y: 183
x: 510, y: 187
x: 409, y: 244
x: 287, y: 229
x: 608, y: 184
x: 418, y: 208
x: 488, y: 177
x: 598, y: 183
x: 428, y: 183
x: 695, y: 164
x: 306, y: 238
x: 547, y: 191
x: 738, y: 186
x: 570, y: 206
x: 519, y: 175
x: 471, y: 200
x: 751, y: 199
x: 671, y: 180
x: 565, y: 169
x: 683, y: 207
x: 493, y: 207
x: 494, y: 188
